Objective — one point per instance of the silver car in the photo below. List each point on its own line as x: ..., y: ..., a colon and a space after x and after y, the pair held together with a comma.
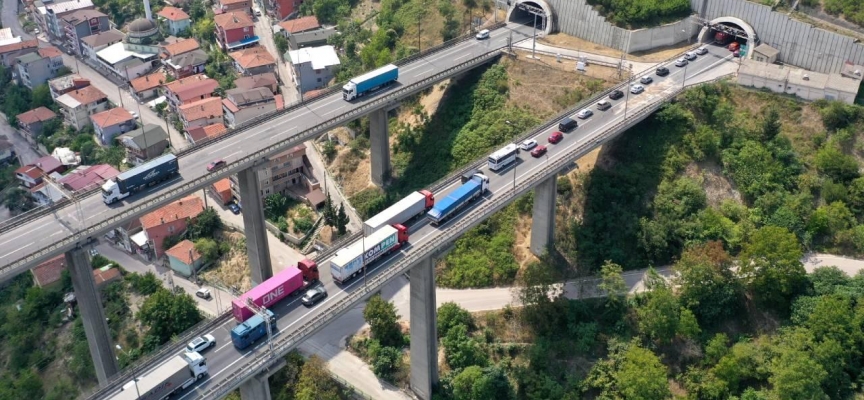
x: 584, y: 113
x: 680, y: 62
x: 313, y: 296
x: 201, y: 343
x: 636, y: 89
x: 528, y: 144
x: 702, y: 50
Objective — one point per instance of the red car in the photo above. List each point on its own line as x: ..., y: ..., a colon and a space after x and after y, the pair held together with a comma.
x: 215, y: 165
x: 556, y: 137
x: 538, y: 151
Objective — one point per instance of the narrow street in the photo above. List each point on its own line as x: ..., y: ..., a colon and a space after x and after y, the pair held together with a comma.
x: 264, y: 30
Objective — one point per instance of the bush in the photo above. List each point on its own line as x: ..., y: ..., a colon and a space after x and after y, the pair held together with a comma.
x: 641, y: 13
x: 145, y: 285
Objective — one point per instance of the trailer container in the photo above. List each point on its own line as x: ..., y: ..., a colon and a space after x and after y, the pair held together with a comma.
x: 289, y: 282
x: 404, y: 210
x: 177, y: 374
x: 370, y: 81
x: 140, y: 177
x: 459, y: 198
x: 348, y: 262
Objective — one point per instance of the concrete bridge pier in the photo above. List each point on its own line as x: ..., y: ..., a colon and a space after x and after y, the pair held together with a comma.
x: 424, y: 339
x: 253, y: 221
x: 90, y: 307
x: 380, y: 145
x: 543, y: 219
x: 256, y: 388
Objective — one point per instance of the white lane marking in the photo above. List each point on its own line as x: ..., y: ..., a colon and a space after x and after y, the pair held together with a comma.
x: 13, y: 251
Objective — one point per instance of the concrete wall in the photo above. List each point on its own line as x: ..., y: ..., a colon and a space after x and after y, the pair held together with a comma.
x: 577, y: 18
x: 800, y: 44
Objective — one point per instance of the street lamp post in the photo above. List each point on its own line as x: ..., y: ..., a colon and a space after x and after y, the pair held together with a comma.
x: 134, y: 378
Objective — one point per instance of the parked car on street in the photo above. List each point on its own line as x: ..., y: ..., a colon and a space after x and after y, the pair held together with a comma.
x: 234, y: 208
x: 94, y: 252
x: 203, y: 293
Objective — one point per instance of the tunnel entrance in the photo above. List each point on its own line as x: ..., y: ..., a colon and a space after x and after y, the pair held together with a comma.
x: 529, y: 12
x: 731, y: 33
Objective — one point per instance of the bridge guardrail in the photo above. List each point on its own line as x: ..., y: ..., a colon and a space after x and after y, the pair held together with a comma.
x: 42, y: 211
x: 457, y: 228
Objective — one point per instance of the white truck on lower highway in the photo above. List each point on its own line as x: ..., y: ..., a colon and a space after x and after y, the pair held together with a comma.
x: 177, y: 374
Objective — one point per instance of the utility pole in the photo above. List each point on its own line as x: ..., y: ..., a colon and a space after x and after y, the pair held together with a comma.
x: 537, y: 12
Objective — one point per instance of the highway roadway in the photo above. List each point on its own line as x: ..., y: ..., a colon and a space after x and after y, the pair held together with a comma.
x: 39, y: 234
x: 224, y: 359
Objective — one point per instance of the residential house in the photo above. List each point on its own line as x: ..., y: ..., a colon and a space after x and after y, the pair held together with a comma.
x: 78, y: 105
x: 201, y: 134
x: 242, y: 105
x: 48, y: 274
x: 288, y: 173
x: 221, y: 190
x: 124, y: 63
x: 147, y: 86
x: 65, y: 84
x: 66, y: 156
x: 109, y: 124
x: 144, y: 144
x: 304, y: 32
x: 229, y: 6
x: 87, y: 177
x: 8, y: 37
x: 201, y: 113
x: 169, y: 221
x: 184, y: 259
x: 10, y: 52
x: 313, y: 67
x: 31, y: 121
x: 105, y: 275
x: 31, y: 175
x: 56, y: 11
x: 235, y: 30
x: 283, y: 9
x: 176, y: 19
x: 179, y: 47
x: 267, y: 79
x: 186, y: 64
x: 37, y: 68
x: 130, y: 236
x: 80, y: 24
x: 7, y: 152
x: 188, y: 90
x: 93, y: 44
x: 253, y: 61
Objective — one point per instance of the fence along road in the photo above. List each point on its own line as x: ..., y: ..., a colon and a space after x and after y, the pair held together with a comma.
x: 61, y: 229
x: 229, y: 368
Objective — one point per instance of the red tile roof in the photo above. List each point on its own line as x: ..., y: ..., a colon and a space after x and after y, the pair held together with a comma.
x: 101, y: 277
x: 90, y: 177
x: 222, y: 185
x: 187, y: 207
x: 36, y: 115
x: 192, y: 86
x: 148, y: 82
x: 27, y: 44
x: 49, y: 271
x: 29, y: 170
x: 280, y: 102
x: 49, y: 52
x: 47, y: 165
x: 207, y: 132
x: 233, y: 20
x: 182, y: 250
x: 207, y: 108
x: 114, y: 116
x: 173, y: 14
x: 300, y: 24
x: 227, y: 103
x: 87, y: 95
x: 180, y: 47
x: 253, y: 57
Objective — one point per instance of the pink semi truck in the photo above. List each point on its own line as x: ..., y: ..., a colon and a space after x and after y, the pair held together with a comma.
x: 290, y: 281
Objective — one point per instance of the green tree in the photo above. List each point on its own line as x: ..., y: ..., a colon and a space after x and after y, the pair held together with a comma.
x: 450, y: 315
x: 796, y: 375
x: 835, y: 164
x: 659, y: 315
x: 642, y: 375
x: 281, y: 44
x: 315, y: 382
x: 461, y: 350
x: 275, y: 206
x: 205, y: 224
x: 383, y: 321
x: 329, y: 212
x: 168, y: 314
x: 41, y: 97
x: 612, y: 282
x: 476, y: 383
x: 770, y: 264
x: 208, y: 249
x: 706, y: 283
x: 770, y: 125
x: 17, y: 200
x: 329, y: 150
x: 342, y: 220
x: 204, y: 29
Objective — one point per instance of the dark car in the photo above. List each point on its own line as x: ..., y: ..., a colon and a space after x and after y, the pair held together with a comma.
x: 215, y: 165
x: 662, y: 71
x: 234, y: 208
x: 556, y: 137
x: 615, y: 95
x: 538, y: 151
x: 313, y: 296
x: 646, y: 80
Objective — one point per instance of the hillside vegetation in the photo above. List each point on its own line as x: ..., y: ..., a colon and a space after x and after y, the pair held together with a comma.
x: 634, y: 14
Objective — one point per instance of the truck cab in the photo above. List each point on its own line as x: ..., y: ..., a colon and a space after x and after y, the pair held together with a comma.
x: 309, y: 269
x: 248, y: 332
x: 197, y: 364
x: 111, y: 192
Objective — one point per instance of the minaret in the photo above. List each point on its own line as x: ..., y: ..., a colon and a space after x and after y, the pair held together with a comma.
x: 147, y: 12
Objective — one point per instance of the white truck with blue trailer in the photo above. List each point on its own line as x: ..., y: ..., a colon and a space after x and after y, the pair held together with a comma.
x: 348, y: 261
x: 463, y: 195
x: 370, y: 81
x: 145, y: 175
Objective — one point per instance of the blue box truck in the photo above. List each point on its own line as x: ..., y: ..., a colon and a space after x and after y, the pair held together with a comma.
x: 470, y: 190
x: 249, y: 331
x: 140, y: 177
x: 370, y: 81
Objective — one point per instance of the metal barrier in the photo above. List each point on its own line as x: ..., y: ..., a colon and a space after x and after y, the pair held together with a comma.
x: 459, y: 227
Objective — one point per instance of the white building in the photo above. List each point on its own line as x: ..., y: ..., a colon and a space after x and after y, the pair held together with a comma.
x: 313, y: 67
x: 125, y: 63
x: 807, y: 85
